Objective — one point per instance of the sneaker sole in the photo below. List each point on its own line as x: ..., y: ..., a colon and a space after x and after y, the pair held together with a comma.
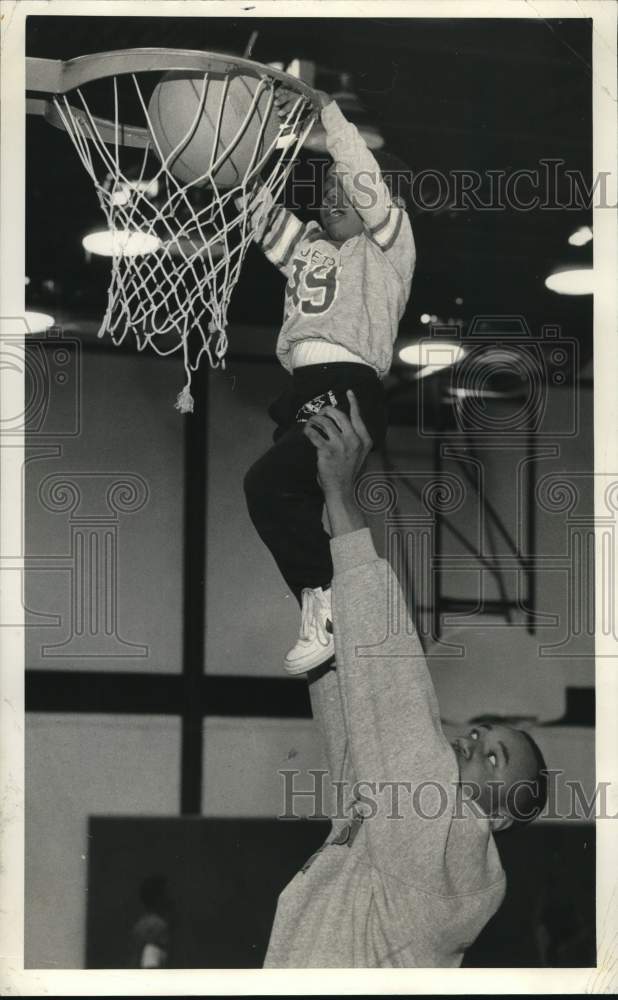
x: 309, y: 662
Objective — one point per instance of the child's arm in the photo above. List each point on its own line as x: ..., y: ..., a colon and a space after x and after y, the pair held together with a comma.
x: 276, y: 230
x: 387, y: 223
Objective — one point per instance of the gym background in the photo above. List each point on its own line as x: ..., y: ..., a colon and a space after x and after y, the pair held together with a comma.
x: 157, y: 726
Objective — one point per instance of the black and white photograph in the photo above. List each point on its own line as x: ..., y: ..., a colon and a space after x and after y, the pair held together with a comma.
x: 310, y: 497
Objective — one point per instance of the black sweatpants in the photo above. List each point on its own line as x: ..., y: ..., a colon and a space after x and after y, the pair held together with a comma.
x: 284, y: 498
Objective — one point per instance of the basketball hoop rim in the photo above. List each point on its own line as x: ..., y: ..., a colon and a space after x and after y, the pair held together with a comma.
x: 55, y: 77
x: 163, y: 289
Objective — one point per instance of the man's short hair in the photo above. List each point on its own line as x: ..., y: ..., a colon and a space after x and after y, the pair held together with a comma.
x: 526, y: 800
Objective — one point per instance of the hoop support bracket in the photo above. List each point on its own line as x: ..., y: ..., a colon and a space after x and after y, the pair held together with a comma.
x: 44, y: 75
x: 126, y: 135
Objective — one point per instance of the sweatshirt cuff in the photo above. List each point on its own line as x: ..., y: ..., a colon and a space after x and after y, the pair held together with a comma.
x: 333, y: 118
x: 353, y: 549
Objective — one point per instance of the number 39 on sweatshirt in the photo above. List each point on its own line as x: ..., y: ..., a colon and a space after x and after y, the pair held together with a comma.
x: 351, y: 294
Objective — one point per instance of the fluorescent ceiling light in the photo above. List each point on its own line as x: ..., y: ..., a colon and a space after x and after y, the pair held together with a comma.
x: 432, y: 354
x: 120, y: 243
x: 581, y: 236
x: 462, y: 392
x: 572, y: 281
x: 37, y: 322
x: 126, y: 189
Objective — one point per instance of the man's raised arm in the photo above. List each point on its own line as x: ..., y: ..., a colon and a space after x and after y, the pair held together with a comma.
x: 390, y: 708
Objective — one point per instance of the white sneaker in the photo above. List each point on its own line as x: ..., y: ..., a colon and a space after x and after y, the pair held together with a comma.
x: 315, y: 643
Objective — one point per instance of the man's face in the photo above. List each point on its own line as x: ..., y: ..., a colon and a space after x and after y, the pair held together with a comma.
x: 338, y: 216
x: 493, y: 753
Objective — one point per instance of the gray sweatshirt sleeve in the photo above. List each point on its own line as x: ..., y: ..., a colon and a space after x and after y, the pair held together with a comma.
x: 328, y: 714
x: 391, y: 714
x: 387, y: 224
x: 276, y: 230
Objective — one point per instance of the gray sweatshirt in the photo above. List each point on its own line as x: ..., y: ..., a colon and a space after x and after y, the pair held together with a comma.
x: 386, y: 892
x: 353, y: 294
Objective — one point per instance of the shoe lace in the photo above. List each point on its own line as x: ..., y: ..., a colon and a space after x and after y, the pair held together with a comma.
x: 312, y: 604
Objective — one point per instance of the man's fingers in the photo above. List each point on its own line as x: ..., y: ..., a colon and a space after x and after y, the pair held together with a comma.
x: 357, y: 421
x: 328, y: 421
x: 316, y: 437
x: 355, y: 414
x: 336, y: 417
x: 334, y: 425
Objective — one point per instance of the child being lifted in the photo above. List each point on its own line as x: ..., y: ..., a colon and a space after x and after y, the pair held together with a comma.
x: 348, y: 284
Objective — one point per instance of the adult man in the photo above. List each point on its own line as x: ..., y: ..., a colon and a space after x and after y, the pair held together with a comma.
x: 402, y: 880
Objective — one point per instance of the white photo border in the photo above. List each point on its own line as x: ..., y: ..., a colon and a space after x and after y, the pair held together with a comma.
x: 14, y: 979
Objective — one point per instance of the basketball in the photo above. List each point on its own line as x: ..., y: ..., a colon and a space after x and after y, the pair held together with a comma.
x: 178, y: 125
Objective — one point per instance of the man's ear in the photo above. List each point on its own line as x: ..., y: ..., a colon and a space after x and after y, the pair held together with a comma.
x: 399, y: 201
x: 501, y: 822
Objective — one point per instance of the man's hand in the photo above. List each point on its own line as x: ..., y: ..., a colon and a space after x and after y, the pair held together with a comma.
x: 342, y: 445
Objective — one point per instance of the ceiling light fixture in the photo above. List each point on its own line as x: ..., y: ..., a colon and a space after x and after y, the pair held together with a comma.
x: 431, y: 355
x: 37, y: 322
x: 126, y: 190
x: 581, y: 236
x: 571, y: 281
x: 120, y: 243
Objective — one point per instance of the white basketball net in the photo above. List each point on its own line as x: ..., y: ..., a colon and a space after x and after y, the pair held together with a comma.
x: 177, y: 248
